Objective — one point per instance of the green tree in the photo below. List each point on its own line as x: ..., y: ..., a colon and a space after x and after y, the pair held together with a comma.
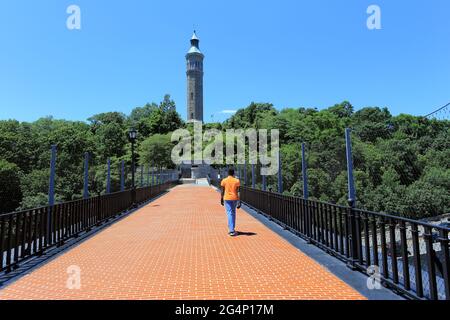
x: 156, y: 119
x: 10, y: 192
x: 371, y: 124
x: 423, y: 199
x: 156, y: 151
x: 109, y: 134
x: 342, y: 110
x: 388, y: 196
x: 248, y: 117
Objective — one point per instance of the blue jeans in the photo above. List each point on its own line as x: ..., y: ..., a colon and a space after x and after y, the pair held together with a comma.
x: 230, y: 207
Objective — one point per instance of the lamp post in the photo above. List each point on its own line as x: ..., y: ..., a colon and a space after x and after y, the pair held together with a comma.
x: 132, y: 135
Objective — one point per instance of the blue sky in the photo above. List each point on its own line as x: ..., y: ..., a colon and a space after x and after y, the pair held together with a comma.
x: 291, y: 53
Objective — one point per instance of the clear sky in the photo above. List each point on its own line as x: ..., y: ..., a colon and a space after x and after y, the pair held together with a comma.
x: 291, y: 53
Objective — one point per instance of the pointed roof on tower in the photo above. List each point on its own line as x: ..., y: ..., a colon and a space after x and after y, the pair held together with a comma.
x: 195, y: 48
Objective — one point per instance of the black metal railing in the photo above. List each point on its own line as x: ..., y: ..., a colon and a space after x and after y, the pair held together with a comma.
x: 409, y: 256
x: 29, y: 233
x: 213, y: 182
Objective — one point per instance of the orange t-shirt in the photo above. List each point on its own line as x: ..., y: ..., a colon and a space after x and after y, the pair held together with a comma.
x: 231, y: 185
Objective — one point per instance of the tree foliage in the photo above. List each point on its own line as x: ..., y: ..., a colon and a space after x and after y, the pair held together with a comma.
x: 401, y: 162
x: 10, y: 192
x: 156, y: 151
x: 25, y: 152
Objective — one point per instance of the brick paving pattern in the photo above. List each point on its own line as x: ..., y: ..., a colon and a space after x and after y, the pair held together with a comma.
x: 177, y: 247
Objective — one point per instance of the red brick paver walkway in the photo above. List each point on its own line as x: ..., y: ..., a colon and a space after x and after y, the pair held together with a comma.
x: 177, y: 247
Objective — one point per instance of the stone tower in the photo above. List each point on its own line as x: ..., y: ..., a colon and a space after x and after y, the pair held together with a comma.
x: 194, y: 72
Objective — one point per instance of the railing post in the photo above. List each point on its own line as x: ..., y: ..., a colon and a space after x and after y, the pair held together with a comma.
x: 352, y: 234
x: 264, y: 186
x: 443, y: 238
x: 122, y: 176
x: 304, y: 173
x: 142, y: 176
x: 309, y: 220
x: 148, y: 176
x: 306, y: 205
x: 351, y: 203
x: 153, y: 177
x: 86, y: 176
x: 351, y: 181
x: 99, y: 210
x: 431, y: 258
x: 51, y: 189
x: 253, y: 177
x: 108, y: 178
x: 280, y: 176
x: 51, y: 192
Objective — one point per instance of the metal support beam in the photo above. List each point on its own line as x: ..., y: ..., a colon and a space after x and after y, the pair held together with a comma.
x: 280, y: 175
x: 122, y: 176
x: 51, y: 189
x: 108, y: 178
x: 351, y: 182
x: 304, y: 172
x: 86, y: 176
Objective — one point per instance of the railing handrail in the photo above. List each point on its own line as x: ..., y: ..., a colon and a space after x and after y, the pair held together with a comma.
x: 414, y: 261
x: 379, y: 214
x: 27, y: 233
x: 74, y: 201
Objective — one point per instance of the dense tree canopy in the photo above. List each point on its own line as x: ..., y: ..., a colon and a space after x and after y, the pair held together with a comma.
x: 10, y: 192
x: 156, y: 151
x: 25, y: 152
x: 401, y: 162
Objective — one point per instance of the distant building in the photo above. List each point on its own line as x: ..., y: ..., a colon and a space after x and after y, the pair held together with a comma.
x: 194, y: 73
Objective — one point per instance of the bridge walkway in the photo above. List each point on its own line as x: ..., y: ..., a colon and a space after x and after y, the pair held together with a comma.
x: 177, y: 247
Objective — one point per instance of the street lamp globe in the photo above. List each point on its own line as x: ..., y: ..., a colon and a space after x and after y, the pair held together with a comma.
x: 132, y: 135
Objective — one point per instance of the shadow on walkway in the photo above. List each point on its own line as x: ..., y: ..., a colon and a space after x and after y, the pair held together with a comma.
x: 247, y: 234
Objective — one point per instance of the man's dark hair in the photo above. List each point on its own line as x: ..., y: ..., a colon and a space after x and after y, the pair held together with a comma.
x: 231, y: 172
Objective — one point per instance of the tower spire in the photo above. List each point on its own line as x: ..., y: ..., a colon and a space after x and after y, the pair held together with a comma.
x: 195, y: 41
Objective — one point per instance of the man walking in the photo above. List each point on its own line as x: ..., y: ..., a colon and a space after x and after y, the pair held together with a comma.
x: 230, y: 198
